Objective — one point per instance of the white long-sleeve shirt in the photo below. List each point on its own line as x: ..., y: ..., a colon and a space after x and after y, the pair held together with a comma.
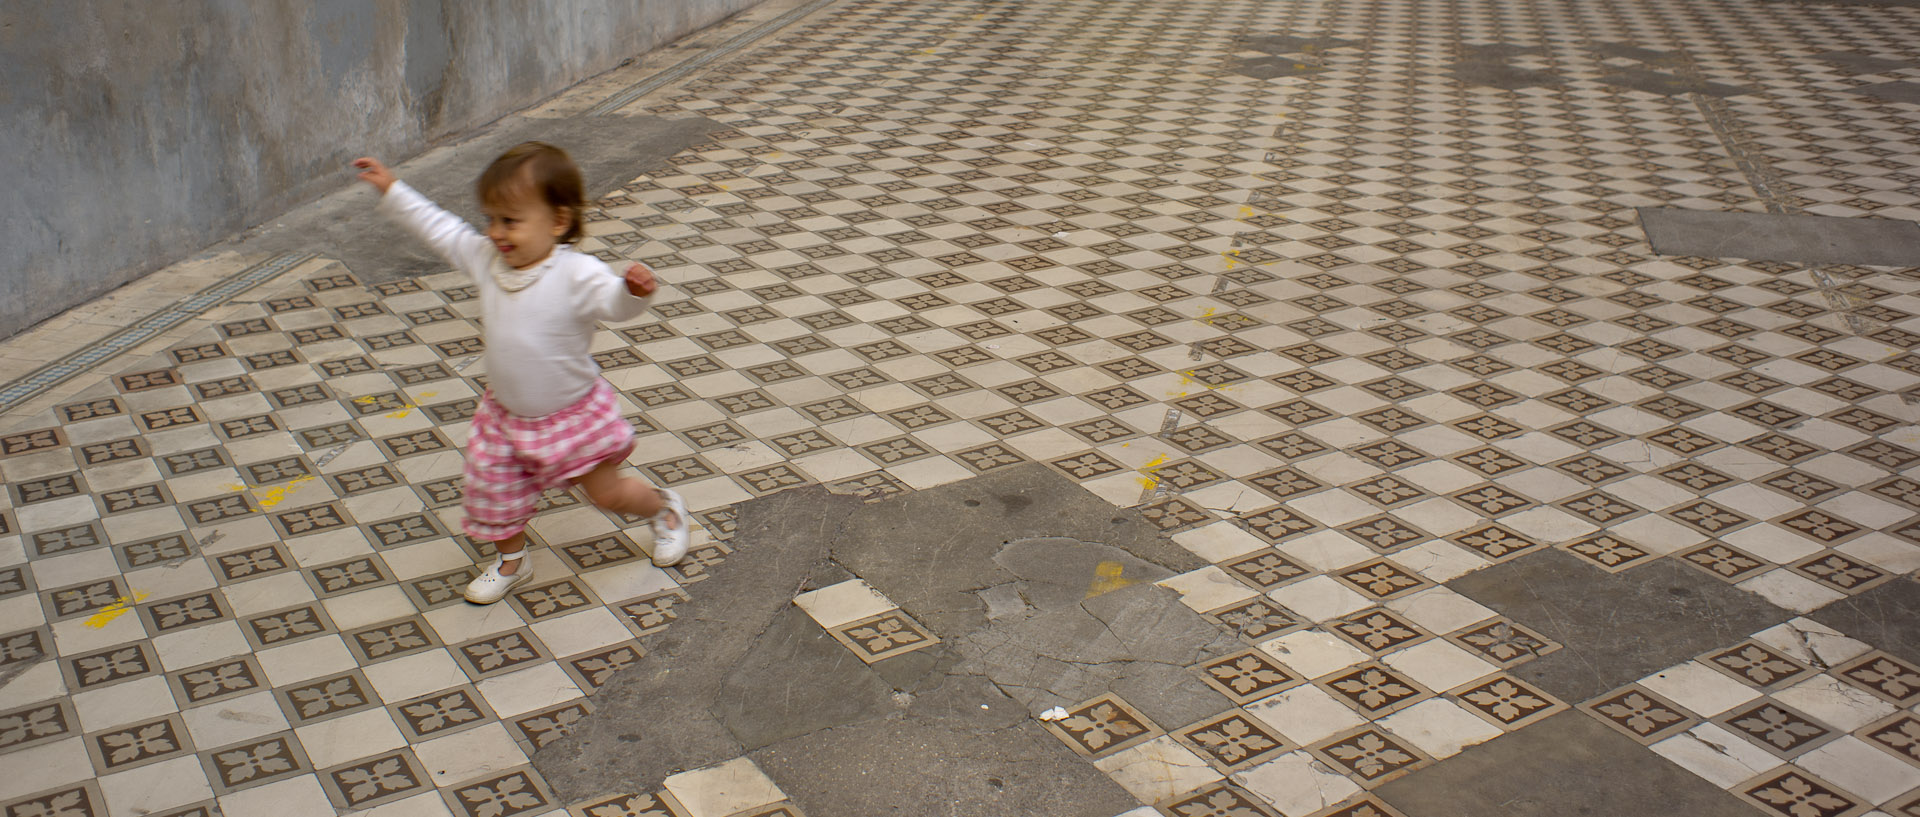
x: 537, y: 338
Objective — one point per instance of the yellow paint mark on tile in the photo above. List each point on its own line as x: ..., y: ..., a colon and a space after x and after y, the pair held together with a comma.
x: 271, y: 495
x: 1149, y: 473
x: 118, y: 608
x: 1108, y: 577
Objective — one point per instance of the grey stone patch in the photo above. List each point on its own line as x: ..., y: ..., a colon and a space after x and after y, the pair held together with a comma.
x: 1567, y: 764
x: 1862, y: 63
x: 1887, y: 617
x: 932, y: 552
x: 1665, y: 84
x: 743, y: 671
x: 1274, y: 68
x: 1502, y: 76
x: 666, y: 713
x: 1498, y: 52
x: 610, y: 150
x: 1137, y: 642
x: 1636, y: 53
x: 794, y: 681
x: 1614, y: 628
x: 1289, y: 44
x: 1901, y: 91
x: 962, y: 748
x: 1805, y: 239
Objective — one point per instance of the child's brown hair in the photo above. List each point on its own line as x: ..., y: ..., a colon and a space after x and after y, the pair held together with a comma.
x: 541, y: 170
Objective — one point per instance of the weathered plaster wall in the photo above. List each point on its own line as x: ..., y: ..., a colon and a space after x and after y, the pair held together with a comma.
x: 138, y: 133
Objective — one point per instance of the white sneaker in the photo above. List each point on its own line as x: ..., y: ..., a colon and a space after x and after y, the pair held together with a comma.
x: 491, y: 586
x: 670, y: 543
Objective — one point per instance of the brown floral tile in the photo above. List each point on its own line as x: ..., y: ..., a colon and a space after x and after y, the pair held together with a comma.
x: 110, y: 666
x: 182, y: 613
x: 327, y: 698
x: 537, y: 729
x: 392, y: 640
x: 1382, y: 579
x: 1494, y: 542
x: 216, y: 681
x: 1899, y: 735
x: 1503, y: 642
x: 1365, y: 805
x: 1265, y: 569
x: 1757, y: 665
x: 374, y: 781
x: 1101, y: 727
x: 553, y: 599
x: 1639, y: 714
x: 1507, y: 701
x: 1232, y: 741
x: 627, y: 805
x: 440, y: 589
x: 1374, y: 690
x: 35, y: 724
x: 1883, y: 675
x: 1724, y: 562
x: 1793, y: 792
x: 699, y: 563
x: 1779, y: 729
x: 1377, y: 630
x: 441, y: 713
x: 1222, y: 799
x: 1255, y: 619
x: 249, y: 764
x: 139, y: 744
x: 516, y: 792
x: 593, y: 670
x: 1385, y: 533
x: 77, y: 800
x: 253, y: 563
x: 883, y: 636
x: 500, y: 654
x: 1608, y: 553
x: 652, y: 613
x: 1840, y: 572
x: 287, y: 626
x: 1246, y: 676
x: 1369, y: 756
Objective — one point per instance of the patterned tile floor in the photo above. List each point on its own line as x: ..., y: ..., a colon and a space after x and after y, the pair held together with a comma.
x: 1348, y: 298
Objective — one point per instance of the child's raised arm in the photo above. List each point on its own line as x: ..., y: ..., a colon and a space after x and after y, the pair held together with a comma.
x: 448, y: 235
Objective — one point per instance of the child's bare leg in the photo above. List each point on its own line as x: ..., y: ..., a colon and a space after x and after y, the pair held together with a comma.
x: 628, y: 495
x: 505, y: 547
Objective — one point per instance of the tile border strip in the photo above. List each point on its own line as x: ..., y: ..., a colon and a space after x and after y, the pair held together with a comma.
x: 53, y: 374
x: 685, y: 68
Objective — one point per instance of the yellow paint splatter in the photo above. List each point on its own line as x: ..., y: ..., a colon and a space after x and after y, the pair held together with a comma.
x: 118, y: 608
x: 1150, y: 473
x: 271, y: 495
x: 1108, y: 577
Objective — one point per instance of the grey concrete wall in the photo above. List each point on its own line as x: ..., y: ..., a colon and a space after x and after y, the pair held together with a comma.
x: 139, y: 133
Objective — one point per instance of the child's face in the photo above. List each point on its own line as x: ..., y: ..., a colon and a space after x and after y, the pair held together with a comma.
x: 524, y: 229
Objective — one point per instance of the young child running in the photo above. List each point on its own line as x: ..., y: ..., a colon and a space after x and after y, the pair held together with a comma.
x: 548, y: 418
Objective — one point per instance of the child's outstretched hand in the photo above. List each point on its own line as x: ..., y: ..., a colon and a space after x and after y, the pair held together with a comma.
x: 374, y: 173
x: 640, y: 280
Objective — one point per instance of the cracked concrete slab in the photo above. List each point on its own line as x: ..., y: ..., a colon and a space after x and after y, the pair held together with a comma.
x: 1041, y: 592
x: 1614, y: 627
x: 1804, y: 239
x: 1566, y: 764
x: 1886, y: 617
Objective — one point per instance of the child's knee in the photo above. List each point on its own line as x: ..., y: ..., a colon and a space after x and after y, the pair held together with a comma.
x: 623, y: 496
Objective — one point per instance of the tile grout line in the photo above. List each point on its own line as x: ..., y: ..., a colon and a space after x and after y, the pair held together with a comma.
x: 685, y: 68
x: 59, y: 371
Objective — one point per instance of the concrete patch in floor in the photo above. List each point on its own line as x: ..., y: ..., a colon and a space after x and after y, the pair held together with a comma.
x: 1040, y: 594
x: 1566, y: 764
x: 1874, y: 242
x: 1887, y: 617
x: 1614, y: 627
